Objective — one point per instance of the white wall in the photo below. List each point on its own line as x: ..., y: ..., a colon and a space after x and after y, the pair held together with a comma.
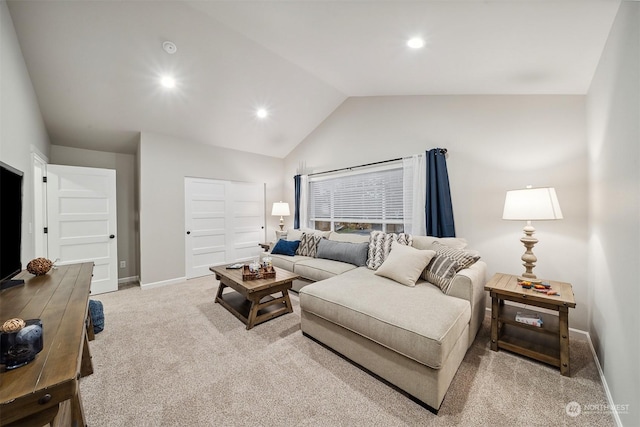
x: 613, y: 107
x: 164, y: 163
x: 495, y: 143
x: 21, y: 126
x: 126, y: 197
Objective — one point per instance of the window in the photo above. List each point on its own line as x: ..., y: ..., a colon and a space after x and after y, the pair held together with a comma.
x: 358, y: 202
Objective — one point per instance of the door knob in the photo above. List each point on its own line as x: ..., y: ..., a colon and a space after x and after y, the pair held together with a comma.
x: 188, y: 232
x: 112, y: 236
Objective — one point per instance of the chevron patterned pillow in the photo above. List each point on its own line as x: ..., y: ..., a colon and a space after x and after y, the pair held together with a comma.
x: 308, y: 245
x: 380, y: 246
x: 444, y: 266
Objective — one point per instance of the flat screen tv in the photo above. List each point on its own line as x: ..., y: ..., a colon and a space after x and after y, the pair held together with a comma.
x: 10, y: 224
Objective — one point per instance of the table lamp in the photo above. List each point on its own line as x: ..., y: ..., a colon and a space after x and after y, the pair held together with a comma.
x: 280, y: 209
x: 531, y: 204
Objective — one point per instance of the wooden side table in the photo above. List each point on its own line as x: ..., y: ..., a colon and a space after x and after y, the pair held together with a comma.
x: 265, y: 246
x: 548, y: 343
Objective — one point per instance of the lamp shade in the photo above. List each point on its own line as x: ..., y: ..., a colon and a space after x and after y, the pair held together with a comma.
x: 280, y: 209
x: 531, y: 204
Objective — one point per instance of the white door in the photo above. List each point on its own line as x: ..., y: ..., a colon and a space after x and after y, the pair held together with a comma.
x: 224, y: 222
x: 247, y: 213
x: 205, y: 225
x: 81, y: 220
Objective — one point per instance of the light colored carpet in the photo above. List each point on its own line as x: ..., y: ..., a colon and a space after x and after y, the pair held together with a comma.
x: 170, y: 356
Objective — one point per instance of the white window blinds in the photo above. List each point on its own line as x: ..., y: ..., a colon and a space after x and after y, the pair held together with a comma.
x: 374, y: 197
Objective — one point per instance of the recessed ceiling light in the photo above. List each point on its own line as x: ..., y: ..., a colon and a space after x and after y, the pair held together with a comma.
x: 168, y: 82
x: 262, y: 113
x: 415, y: 43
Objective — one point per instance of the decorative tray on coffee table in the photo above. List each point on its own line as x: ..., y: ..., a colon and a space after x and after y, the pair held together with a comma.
x: 262, y: 273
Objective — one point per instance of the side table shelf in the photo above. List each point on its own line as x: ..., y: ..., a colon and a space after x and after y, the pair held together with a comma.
x: 540, y: 343
x: 548, y: 343
x: 549, y: 326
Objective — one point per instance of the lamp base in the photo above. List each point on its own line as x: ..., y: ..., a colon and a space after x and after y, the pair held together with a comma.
x: 528, y: 258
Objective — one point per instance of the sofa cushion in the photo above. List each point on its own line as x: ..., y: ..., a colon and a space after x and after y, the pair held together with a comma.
x: 349, y: 237
x: 405, y: 264
x: 317, y: 269
x: 287, y: 262
x: 308, y: 245
x: 447, y: 262
x: 418, y: 322
x: 425, y: 242
x: 352, y: 253
x: 296, y: 234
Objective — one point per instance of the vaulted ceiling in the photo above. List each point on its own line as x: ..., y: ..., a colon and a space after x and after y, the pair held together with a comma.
x: 96, y: 65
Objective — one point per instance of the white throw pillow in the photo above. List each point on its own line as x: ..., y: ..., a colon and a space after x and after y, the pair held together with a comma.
x: 405, y: 264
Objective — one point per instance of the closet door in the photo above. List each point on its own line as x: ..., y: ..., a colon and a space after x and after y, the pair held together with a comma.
x: 247, y: 219
x: 224, y: 222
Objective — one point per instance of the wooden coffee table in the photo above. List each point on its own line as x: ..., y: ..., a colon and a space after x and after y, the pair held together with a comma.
x: 253, y: 301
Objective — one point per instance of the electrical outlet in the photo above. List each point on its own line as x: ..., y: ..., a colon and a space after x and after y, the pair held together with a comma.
x: 123, y: 264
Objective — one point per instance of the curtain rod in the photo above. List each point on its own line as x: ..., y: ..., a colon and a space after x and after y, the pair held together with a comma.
x: 442, y: 151
x: 354, y: 167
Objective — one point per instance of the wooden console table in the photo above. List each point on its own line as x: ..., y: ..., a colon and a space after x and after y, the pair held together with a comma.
x: 47, y: 389
x: 549, y: 343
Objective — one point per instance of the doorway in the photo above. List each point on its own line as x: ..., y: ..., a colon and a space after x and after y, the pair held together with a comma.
x: 80, y: 221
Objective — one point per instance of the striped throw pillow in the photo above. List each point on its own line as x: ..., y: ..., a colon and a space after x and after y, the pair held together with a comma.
x: 444, y: 266
x: 380, y: 246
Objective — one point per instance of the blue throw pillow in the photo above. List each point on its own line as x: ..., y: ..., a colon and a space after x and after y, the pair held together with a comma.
x: 286, y: 247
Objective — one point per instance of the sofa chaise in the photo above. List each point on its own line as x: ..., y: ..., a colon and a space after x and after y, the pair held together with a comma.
x: 412, y: 336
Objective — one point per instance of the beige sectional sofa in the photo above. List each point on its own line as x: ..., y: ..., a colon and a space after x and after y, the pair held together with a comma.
x: 413, y: 337
x: 315, y: 269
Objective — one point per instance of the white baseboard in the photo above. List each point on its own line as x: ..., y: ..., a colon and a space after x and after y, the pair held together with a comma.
x: 612, y: 404
x: 574, y: 331
x: 162, y: 283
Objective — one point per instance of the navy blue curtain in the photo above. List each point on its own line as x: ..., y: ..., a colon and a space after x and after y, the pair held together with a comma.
x: 296, y: 213
x: 438, y: 207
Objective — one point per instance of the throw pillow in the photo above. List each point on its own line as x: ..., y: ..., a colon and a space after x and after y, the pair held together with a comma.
x: 380, y: 246
x: 405, y: 264
x: 308, y: 245
x: 447, y: 262
x: 352, y: 253
x: 286, y: 247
